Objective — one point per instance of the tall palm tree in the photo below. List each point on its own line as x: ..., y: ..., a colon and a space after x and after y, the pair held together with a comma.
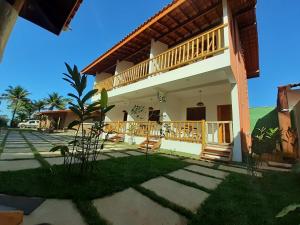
x: 16, y: 96
x: 39, y: 105
x: 56, y: 101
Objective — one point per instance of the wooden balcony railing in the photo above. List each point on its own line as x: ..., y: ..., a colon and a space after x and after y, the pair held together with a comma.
x: 198, y: 48
x: 205, y: 132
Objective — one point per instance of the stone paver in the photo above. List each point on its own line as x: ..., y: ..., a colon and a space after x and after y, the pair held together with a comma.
x: 17, y: 150
x: 204, y: 170
x: 55, y: 161
x: 135, y: 153
x: 15, y: 145
x: 18, y: 165
x: 116, y: 154
x: 204, y: 181
x: 170, y: 156
x: 182, y: 195
x: 25, y: 204
x: 50, y: 154
x: 200, y: 162
x: 129, y: 207
x: 22, y: 155
x: 55, y: 212
x: 233, y: 169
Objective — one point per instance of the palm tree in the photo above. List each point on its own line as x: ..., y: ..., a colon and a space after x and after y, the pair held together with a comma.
x: 16, y: 96
x: 39, y: 105
x: 56, y: 101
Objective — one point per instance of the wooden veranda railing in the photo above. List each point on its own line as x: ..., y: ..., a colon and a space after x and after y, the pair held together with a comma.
x: 204, y: 132
x: 198, y: 48
x: 189, y: 131
x: 219, y: 132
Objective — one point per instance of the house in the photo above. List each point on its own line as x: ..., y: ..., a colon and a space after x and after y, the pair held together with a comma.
x: 188, y: 67
x: 288, y: 107
x: 60, y: 119
x: 56, y: 119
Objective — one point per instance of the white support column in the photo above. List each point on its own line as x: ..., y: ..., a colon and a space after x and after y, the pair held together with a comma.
x: 237, y: 145
x: 225, y: 21
x: 157, y: 48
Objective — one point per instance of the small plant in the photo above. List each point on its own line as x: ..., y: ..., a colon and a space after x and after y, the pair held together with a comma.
x: 253, y: 163
x: 267, y: 140
x: 87, y: 144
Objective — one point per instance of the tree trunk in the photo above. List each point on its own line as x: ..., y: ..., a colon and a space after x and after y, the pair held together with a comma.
x: 13, y: 117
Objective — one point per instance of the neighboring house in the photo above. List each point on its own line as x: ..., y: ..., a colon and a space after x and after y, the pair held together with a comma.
x: 288, y: 106
x: 59, y: 119
x: 188, y: 66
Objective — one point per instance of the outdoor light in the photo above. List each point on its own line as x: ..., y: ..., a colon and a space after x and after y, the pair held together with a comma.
x: 200, y: 104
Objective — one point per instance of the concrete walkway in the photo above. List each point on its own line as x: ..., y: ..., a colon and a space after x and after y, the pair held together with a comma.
x: 18, y: 155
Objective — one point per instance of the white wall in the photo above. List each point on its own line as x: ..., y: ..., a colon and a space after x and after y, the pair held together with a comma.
x: 293, y: 97
x: 180, y: 146
x: 237, y: 146
x: 101, y: 76
x: 123, y: 65
x: 176, y: 107
x: 157, y: 48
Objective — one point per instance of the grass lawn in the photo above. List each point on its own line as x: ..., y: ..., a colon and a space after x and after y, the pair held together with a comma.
x: 238, y: 200
x: 108, y: 177
x: 242, y: 200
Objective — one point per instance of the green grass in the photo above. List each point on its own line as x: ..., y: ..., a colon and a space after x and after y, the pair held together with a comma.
x: 89, y: 212
x: 36, y: 153
x: 109, y: 176
x: 242, y: 200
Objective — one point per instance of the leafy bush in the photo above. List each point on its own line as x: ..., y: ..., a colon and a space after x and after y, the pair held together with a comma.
x: 87, y: 144
x: 3, y: 121
x: 267, y: 140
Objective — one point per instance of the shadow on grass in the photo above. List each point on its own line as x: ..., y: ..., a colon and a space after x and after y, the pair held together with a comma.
x: 109, y: 176
x: 243, y: 200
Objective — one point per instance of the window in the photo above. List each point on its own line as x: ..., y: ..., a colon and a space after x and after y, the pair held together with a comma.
x: 196, y: 113
x: 31, y: 121
x: 154, y: 115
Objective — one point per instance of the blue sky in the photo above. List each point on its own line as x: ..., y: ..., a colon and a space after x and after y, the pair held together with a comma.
x: 34, y: 58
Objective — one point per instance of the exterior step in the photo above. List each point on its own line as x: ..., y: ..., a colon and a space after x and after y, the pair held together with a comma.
x: 219, y: 147
x: 217, y: 152
x: 216, y: 158
x: 224, y: 154
x: 151, y: 145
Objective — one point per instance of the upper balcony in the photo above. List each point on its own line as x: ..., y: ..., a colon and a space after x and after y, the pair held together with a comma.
x: 185, y: 39
x: 200, y: 47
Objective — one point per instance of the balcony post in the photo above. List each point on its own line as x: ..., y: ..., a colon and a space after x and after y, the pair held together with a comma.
x: 157, y: 48
x: 225, y: 21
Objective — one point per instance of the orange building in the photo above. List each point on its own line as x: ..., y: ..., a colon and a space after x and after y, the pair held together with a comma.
x: 189, y: 63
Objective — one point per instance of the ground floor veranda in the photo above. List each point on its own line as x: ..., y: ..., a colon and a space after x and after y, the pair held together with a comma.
x: 184, y: 120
